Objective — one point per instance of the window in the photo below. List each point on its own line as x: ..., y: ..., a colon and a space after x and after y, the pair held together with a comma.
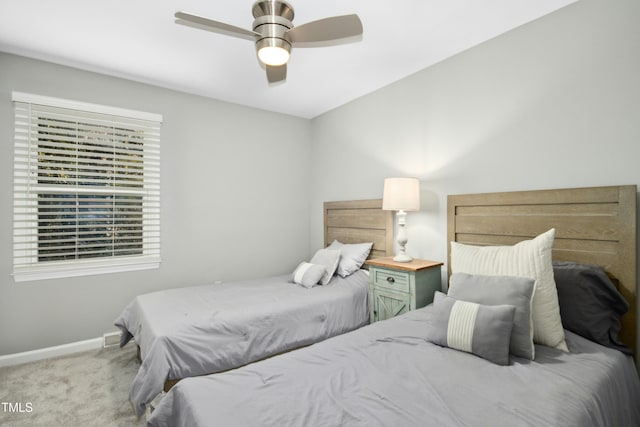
x: 86, y: 196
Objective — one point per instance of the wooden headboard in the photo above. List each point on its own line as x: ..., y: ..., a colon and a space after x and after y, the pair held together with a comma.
x: 593, y: 225
x: 357, y: 221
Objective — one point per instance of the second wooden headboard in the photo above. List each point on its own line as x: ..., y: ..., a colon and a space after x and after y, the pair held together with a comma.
x: 594, y: 225
x: 358, y: 221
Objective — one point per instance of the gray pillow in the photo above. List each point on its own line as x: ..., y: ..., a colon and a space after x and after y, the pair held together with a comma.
x: 307, y: 274
x: 352, y: 256
x: 329, y: 258
x: 590, y: 304
x: 482, y: 330
x: 502, y: 290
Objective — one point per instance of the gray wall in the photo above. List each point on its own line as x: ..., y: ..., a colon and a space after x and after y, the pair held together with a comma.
x: 555, y: 103
x: 552, y: 104
x: 235, y: 203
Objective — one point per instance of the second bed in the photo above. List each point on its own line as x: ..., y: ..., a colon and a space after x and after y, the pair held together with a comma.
x: 193, y: 331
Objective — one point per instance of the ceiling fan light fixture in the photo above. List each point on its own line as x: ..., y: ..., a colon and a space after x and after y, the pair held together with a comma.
x: 274, y: 34
x: 272, y: 55
x: 273, y: 51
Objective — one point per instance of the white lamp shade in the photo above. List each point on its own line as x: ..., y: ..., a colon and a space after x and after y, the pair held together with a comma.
x: 401, y: 194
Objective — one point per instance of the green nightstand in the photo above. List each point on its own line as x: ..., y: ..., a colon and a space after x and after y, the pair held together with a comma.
x: 397, y: 287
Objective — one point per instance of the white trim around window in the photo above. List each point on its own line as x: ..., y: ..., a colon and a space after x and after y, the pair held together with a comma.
x: 86, y: 189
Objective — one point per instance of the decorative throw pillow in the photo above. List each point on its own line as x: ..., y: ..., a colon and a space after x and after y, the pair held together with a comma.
x: 590, y: 304
x: 483, y: 330
x: 329, y: 258
x: 502, y: 290
x: 307, y: 274
x: 352, y: 256
x: 530, y: 258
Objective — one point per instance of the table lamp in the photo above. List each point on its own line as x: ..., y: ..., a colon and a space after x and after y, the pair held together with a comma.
x: 401, y: 195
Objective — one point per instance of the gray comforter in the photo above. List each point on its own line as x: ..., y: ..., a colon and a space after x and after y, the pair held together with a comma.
x: 388, y: 374
x: 200, y: 330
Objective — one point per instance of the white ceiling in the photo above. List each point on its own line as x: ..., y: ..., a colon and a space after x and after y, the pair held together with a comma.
x: 139, y: 40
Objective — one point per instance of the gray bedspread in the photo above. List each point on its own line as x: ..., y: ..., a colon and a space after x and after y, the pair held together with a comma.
x: 387, y: 374
x: 200, y: 330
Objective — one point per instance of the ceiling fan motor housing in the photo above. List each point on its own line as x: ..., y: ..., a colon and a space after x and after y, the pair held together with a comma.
x: 274, y: 33
x: 272, y: 21
x: 273, y: 7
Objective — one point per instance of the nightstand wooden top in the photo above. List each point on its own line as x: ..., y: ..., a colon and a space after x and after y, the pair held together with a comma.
x: 413, y: 265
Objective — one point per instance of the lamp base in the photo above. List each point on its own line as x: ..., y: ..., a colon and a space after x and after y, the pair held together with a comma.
x: 402, y: 258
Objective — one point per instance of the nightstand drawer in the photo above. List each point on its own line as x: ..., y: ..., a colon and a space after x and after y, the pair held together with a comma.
x: 391, y: 279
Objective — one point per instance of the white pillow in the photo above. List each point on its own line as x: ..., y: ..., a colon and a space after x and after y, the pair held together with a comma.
x: 307, y: 274
x: 530, y: 258
x: 352, y: 256
x: 329, y: 258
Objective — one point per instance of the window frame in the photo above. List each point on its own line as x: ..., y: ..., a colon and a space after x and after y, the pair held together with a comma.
x: 26, y: 263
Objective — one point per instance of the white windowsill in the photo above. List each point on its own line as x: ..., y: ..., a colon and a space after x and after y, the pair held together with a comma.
x: 82, y: 270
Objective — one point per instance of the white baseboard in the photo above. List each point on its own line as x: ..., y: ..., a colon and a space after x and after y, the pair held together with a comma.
x: 46, y: 353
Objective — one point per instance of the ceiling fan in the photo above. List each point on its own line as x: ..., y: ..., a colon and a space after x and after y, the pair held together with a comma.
x: 274, y: 34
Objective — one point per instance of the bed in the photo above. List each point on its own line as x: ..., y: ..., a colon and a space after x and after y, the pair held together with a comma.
x: 394, y: 373
x: 200, y: 330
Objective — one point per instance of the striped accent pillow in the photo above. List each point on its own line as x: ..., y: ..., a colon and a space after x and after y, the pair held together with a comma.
x: 307, y: 274
x: 473, y: 328
x: 462, y: 321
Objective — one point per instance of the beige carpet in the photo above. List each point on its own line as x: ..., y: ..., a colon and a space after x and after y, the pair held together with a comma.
x: 83, y: 389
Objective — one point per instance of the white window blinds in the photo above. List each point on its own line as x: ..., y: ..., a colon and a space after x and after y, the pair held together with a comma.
x: 86, y: 188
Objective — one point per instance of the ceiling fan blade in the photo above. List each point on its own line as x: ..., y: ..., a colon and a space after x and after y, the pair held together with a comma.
x: 277, y: 73
x: 322, y: 30
x: 200, y: 22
